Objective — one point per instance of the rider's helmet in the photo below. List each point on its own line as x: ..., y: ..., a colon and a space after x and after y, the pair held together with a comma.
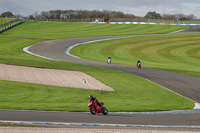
x: 90, y: 96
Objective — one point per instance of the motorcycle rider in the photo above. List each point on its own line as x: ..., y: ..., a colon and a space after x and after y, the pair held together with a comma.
x: 109, y: 58
x: 138, y: 62
x: 95, y: 100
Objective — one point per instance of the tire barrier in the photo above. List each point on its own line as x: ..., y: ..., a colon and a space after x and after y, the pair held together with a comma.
x: 13, y: 25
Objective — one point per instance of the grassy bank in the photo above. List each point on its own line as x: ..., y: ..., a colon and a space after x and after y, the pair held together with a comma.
x: 4, y: 22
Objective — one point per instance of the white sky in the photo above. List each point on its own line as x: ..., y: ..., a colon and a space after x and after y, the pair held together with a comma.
x: 136, y: 7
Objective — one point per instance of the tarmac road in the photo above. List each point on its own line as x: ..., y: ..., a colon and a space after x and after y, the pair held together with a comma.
x: 167, y: 119
x: 185, y: 85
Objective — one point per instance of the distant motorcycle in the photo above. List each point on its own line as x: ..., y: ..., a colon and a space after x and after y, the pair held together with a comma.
x: 95, y: 108
x: 139, y: 65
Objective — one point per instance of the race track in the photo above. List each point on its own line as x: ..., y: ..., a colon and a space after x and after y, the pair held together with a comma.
x: 185, y: 85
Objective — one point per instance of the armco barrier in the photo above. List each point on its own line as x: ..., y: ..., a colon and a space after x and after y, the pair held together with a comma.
x: 13, y: 25
x: 145, y: 23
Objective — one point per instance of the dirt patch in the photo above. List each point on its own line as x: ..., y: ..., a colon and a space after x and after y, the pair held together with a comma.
x: 73, y: 79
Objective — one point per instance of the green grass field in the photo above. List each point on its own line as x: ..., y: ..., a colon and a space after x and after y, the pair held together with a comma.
x: 178, y: 53
x: 59, y: 30
x: 132, y: 93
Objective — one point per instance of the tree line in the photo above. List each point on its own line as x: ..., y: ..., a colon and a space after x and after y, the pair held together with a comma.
x: 86, y: 14
x: 154, y: 15
x: 80, y: 14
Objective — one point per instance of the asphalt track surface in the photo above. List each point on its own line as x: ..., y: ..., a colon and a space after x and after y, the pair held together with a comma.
x: 184, y: 85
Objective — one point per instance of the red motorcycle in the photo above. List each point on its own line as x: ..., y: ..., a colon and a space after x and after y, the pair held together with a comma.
x: 95, y: 108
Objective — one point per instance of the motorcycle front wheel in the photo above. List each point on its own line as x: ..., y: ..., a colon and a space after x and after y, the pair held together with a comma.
x: 92, y: 111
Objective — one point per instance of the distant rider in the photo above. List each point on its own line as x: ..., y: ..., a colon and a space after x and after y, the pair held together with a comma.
x: 95, y: 100
x: 109, y: 60
x: 138, y: 62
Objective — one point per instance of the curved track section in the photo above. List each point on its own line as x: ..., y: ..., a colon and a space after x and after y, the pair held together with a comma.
x: 185, y: 85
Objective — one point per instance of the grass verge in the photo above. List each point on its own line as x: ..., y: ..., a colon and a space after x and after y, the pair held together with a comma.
x: 15, y: 125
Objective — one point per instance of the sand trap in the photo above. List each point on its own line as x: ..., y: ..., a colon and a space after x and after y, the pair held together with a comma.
x: 52, y: 77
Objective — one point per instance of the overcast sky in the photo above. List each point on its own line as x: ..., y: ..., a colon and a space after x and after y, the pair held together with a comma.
x: 136, y: 7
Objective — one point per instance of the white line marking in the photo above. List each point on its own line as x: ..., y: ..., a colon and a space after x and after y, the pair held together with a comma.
x: 197, y: 106
x: 27, y: 51
x: 178, y: 31
x: 71, y: 47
